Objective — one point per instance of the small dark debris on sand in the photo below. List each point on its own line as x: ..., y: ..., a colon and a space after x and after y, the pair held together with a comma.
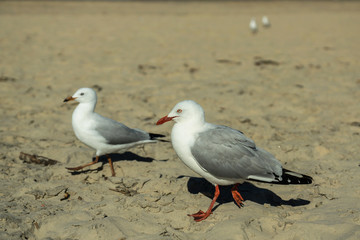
x: 299, y: 66
x: 66, y: 196
x: 316, y: 66
x: 7, y: 79
x: 227, y: 61
x: 191, y: 70
x: 97, y: 87
x: 355, y: 124
x: 143, y: 68
x: 261, y: 62
x: 29, y: 158
x: 124, y: 190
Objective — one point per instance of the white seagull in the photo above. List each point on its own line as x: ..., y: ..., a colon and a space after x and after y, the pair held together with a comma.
x: 266, y: 22
x: 222, y: 155
x: 101, y: 133
x: 253, y: 26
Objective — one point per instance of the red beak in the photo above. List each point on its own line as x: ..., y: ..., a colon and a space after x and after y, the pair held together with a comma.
x: 164, y: 120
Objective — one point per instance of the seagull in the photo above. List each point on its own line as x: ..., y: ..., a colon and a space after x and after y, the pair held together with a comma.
x: 253, y: 26
x: 101, y: 133
x: 222, y: 155
x: 266, y: 22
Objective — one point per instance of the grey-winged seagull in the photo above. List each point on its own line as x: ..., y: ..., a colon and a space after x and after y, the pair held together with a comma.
x: 265, y: 21
x: 222, y: 155
x: 253, y: 26
x: 101, y: 133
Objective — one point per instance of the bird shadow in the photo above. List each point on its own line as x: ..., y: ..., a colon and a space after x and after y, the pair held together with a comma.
x: 248, y: 192
x: 115, y: 157
x: 127, y: 156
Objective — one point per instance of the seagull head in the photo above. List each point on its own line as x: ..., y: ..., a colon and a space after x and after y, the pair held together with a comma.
x: 185, y: 111
x: 83, y: 95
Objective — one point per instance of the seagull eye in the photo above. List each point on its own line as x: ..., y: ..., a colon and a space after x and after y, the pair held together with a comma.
x: 179, y: 111
x: 82, y: 94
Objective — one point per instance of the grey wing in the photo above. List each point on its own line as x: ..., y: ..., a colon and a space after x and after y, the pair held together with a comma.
x: 227, y: 153
x: 117, y: 133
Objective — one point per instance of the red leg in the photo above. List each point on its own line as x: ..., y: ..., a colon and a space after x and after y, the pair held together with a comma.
x: 236, y: 195
x: 82, y: 166
x: 111, y: 165
x: 200, y: 215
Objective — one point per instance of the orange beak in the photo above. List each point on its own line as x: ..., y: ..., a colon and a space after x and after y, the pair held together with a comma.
x: 164, y: 120
x: 69, y: 99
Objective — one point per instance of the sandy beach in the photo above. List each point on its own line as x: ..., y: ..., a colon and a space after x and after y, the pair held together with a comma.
x: 294, y: 88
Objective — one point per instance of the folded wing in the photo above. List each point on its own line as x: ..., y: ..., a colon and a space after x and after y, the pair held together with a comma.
x: 117, y: 133
x: 227, y: 153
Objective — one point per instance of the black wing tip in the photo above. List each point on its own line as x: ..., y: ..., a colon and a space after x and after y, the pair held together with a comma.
x: 290, y: 177
x: 155, y: 136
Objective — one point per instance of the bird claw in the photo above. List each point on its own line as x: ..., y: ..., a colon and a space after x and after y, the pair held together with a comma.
x: 196, y: 214
x: 200, y: 215
x: 240, y: 204
x: 237, y: 197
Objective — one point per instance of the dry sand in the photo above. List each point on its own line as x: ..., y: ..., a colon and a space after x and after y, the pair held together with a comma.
x: 143, y: 58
